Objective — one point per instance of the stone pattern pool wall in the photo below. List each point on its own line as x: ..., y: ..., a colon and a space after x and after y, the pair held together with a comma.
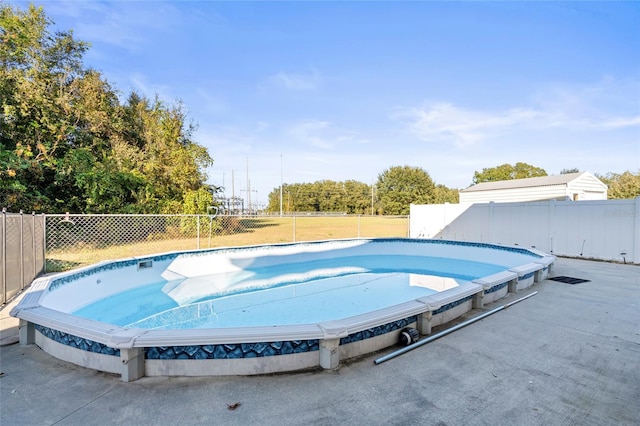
x: 225, y: 351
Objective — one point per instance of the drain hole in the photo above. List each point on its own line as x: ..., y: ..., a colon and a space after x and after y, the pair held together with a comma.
x: 569, y: 280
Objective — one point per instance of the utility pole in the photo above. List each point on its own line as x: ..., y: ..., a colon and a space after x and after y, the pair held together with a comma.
x: 371, y: 197
x: 249, y: 191
x: 233, y: 188
x: 248, y: 187
x: 281, y: 168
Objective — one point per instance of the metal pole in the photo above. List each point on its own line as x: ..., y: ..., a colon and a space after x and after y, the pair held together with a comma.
x: 372, y: 198
x: 233, y: 192
x: 198, y: 232
x: 449, y: 330
x: 44, y: 243
x: 281, y: 168
x: 21, y: 242
x: 248, y: 188
x: 34, y: 259
x: 3, y: 252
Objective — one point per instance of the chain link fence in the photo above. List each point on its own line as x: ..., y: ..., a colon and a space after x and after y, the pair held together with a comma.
x: 77, y: 240
x: 22, y: 251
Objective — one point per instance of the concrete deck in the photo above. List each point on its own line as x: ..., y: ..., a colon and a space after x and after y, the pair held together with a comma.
x: 568, y: 355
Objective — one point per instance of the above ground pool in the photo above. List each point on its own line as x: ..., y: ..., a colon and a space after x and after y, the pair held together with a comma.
x: 264, y: 309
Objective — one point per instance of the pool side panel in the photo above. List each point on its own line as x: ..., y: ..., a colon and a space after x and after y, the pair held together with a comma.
x: 496, y: 292
x: 496, y: 286
x: 232, y: 367
x: 233, y: 351
x: 83, y: 358
x: 443, y: 317
x: 526, y: 275
x: 371, y: 344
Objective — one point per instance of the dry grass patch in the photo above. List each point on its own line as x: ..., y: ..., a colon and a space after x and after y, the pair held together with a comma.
x: 240, y: 232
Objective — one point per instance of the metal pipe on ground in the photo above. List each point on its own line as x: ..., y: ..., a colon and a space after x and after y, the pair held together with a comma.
x: 449, y: 330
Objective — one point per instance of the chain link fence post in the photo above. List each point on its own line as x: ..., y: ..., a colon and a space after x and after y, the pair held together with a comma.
x: 34, y: 272
x: 3, y: 254
x: 44, y: 242
x: 21, y: 244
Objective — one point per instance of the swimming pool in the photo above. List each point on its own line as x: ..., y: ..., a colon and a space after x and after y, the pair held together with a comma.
x: 264, y: 309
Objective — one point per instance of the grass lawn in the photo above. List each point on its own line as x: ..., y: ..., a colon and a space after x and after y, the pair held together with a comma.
x: 235, y: 232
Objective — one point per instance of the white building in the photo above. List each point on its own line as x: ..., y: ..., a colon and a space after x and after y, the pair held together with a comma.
x: 571, y: 186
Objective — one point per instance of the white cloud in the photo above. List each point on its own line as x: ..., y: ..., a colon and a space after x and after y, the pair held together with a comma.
x: 140, y: 84
x: 311, y: 133
x: 601, y: 107
x: 444, y: 121
x: 262, y: 126
x: 226, y: 140
x: 209, y: 104
x: 322, y: 134
x: 298, y: 82
x: 621, y: 122
x: 123, y: 24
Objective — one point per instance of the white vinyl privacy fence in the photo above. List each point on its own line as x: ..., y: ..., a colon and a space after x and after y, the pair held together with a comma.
x: 604, y: 229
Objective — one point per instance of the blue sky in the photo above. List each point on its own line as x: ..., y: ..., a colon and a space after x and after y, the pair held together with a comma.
x: 306, y: 91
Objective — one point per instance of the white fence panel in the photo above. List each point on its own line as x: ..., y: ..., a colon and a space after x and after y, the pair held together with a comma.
x: 598, y: 229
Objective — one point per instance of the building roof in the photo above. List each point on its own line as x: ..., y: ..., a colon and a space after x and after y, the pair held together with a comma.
x: 525, y: 183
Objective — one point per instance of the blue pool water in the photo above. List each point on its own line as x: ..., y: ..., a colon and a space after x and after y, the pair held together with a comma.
x: 297, y: 293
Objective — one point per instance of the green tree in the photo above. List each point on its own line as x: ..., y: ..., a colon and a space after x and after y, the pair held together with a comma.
x: 442, y: 194
x: 508, y: 172
x: 400, y: 186
x: 103, y: 186
x: 199, y: 201
x: 622, y: 185
x: 36, y: 72
x: 358, y: 197
x: 569, y: 171
x: 329, y: 196
x: 161, y: 150
x: 66, y: 142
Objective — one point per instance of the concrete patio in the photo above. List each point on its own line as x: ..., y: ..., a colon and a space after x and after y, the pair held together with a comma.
x: 568, y: 355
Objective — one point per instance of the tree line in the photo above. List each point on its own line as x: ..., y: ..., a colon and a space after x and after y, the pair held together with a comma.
x: 394, y: 191
x: 392, y: 194
x: 400, y: 186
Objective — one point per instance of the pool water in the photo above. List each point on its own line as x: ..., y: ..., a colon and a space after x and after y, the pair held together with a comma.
x: 298, y: 293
